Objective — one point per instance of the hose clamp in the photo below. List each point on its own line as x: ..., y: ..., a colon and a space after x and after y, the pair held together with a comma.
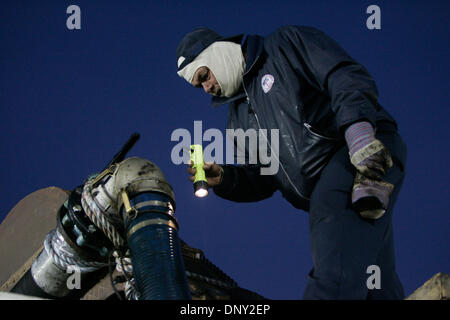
x: 149, y: 222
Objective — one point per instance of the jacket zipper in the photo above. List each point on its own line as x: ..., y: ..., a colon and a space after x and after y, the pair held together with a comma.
x: 310, y: 129
x: 270, y: 146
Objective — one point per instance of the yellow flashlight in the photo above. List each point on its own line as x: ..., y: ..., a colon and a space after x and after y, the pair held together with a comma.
x: 200, y: 182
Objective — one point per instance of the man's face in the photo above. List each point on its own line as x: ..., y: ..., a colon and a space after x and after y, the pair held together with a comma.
x: 204, y: 78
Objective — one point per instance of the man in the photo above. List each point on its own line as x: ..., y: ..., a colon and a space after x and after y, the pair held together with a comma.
x: 340, y: 155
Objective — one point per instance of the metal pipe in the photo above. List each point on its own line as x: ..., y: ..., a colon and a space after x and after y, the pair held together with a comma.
x: 94, y: 222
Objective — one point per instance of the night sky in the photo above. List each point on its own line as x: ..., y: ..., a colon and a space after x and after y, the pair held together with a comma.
x: 71, y: 98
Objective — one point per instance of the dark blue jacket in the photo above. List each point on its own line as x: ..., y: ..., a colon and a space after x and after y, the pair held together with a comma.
x: 318, y: 90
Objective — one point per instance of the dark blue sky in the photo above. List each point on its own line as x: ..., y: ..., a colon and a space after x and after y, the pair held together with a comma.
x: 70, y: 99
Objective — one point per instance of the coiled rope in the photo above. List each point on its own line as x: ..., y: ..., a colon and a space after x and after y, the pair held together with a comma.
x: 64, y: 256
x: 98, y: 217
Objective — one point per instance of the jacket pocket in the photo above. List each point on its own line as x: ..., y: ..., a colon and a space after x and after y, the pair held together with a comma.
x: 315, y: 152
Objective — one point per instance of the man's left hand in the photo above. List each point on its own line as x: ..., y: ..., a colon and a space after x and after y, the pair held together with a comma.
x: 372, y: 160
x: 368, y: 154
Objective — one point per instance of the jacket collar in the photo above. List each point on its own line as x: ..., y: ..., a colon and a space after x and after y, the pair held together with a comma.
x: 253, y: 46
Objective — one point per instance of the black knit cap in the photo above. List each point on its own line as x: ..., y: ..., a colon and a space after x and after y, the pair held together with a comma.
x: 198, y: 40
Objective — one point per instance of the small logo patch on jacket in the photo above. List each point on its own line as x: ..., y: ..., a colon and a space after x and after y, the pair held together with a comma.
x: 267, y: 82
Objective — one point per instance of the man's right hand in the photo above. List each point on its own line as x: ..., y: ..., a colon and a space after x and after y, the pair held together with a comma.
x: 213, y: 173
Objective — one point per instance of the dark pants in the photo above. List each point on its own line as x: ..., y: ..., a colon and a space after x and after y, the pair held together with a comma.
x: 343, y: 244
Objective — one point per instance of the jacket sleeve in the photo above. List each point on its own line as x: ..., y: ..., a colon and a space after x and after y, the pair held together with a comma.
x: 314, y: 55
x: 244, y: 183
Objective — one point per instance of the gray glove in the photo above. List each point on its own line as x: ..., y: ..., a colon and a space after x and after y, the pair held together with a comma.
x: 370, y: 194
x: 370, y: 197
x: 372, y: 160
